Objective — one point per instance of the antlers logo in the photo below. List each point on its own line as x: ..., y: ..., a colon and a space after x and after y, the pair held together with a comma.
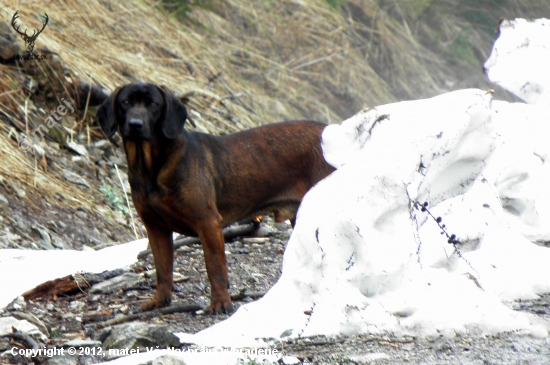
x: 29, y: 39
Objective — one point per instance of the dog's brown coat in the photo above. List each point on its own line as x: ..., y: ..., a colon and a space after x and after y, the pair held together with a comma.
x: 196, y: 184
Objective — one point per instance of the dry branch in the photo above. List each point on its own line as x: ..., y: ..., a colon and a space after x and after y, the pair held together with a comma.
x: 228, y: 233
x: 171, y: 310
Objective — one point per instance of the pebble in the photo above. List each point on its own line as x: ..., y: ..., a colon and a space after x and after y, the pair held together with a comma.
x: 256, y: 240
x: 264, y: 231
x: 82, y: 215
x: 77, y: 306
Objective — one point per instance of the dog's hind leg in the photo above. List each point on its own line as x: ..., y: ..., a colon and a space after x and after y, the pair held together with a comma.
x: 211, y: 236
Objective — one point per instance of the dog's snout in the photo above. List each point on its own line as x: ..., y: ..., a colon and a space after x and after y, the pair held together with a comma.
x: 135, y: 123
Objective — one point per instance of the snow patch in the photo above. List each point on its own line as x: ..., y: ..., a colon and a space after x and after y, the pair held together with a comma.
x: 519, y: 59
x: 36, y: 267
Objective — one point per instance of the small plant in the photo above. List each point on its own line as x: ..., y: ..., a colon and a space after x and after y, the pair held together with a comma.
x: 451, y: 238
x: 115, y: 201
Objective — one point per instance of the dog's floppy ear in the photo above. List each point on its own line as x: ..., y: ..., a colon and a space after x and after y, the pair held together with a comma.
x: 175, y: 114
x: 106, y: 115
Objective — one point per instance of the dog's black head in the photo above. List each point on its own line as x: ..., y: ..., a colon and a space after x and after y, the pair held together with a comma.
x: 140, y: 110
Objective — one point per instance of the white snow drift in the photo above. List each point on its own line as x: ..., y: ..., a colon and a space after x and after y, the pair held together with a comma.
x: 362, y: 260
x: 519, y: 60
x: 22, y: 270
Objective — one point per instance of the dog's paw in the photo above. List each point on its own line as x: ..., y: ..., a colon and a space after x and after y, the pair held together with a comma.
x: 153, y: 304
x: 147, y: 306
x: 219, y: 308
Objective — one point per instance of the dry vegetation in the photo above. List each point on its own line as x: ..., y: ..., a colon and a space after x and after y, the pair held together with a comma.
x: 236, y: 63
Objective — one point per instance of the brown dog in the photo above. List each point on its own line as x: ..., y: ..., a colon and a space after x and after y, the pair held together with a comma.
x: 196, y: 184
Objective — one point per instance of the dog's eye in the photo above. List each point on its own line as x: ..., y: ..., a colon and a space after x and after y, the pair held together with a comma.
x: 154, y: 103
x: 125, y: 102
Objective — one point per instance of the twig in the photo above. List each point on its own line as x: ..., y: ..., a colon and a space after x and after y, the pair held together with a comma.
x: 86, y: 108
x: 9, y: 92
x: 127, y: 202
x: 170, y: 310
x: 309, y: 63
x: 452, y: 239
x: 18, y: 335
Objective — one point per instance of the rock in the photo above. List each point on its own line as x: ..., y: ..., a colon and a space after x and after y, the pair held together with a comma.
x: 102, y: 143
x: 59, y: 243
x: 121, y: 221
x: 74, y: 178
x: 63, y: 360
x: 264, y: 231
x: 7, y: 323
x: 4, y: 345
x: 19, y: 190
x: 256, y: 240
x: 125, y: 280
x: 38, y: 151
x: 44, y: 234
x: 281, y: 226
x: 7, y: 357
x: 45, y: 245
x: 166, y: 360
x: 32, y: 319
x: 140, y: 335
x: 75, y: 147
x: 290, y: 360
x: 78, y: 160
x: 77, y: 306
x: 82, y: 215
x: 19, y: 303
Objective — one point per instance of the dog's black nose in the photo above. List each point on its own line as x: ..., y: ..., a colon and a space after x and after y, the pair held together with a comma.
x: 135, y: 123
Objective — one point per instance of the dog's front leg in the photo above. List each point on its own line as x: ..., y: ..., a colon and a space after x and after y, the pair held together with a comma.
x: 162, y: 247
x: 211, y: 236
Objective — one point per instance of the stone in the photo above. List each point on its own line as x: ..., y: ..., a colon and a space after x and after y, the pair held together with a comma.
x: 125, y: 280
x: 166, y: 360
x: 140, y: 335
x: 74, y: 178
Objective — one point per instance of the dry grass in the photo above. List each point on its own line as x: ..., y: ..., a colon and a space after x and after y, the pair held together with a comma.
x: 296, y: 62
x: 245, y: 63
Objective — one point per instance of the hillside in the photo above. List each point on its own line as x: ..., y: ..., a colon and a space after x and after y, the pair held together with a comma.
x: 235, y: 64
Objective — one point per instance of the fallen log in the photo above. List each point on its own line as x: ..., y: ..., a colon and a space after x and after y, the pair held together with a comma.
x: 69, y: 284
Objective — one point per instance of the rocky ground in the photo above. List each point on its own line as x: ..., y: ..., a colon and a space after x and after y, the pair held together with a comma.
x: 30, y: 221
x: 95, y: 318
